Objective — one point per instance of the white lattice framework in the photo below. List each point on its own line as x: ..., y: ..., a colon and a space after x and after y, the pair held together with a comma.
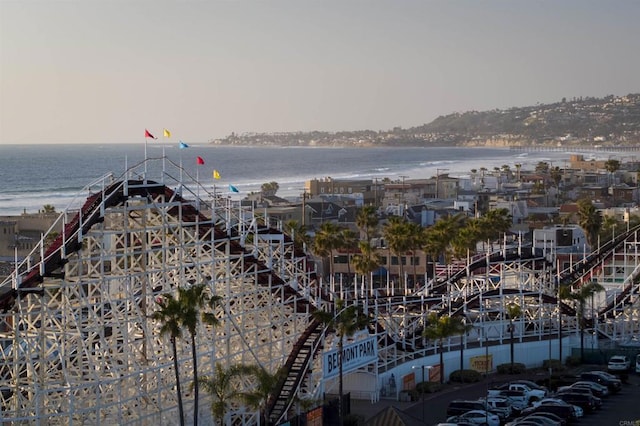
x: 80, y: 347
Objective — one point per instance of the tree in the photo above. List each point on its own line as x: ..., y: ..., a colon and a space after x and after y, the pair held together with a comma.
x: 48, y: 208
x: 397, y: 233
x: 580, y: 297
x: 589, y: 219
x: 442, y: 328
x: 223, y: 386
x: 327, y: 240
x: 265, y: 383
x: 194, y: 300
x: 366, y: 261
x: 269, y: 188
x: 513, y: 311
x: 345, y: 322
x: 298, y: 233
x: 348, y: 241
x: 170, y: 314
x: 367, y: 221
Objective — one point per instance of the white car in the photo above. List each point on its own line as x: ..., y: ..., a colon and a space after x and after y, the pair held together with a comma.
x: 619, y: 363
x: 478, y: 417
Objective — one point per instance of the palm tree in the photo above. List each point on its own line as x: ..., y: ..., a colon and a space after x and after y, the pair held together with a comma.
x: 398, y: 236
x: 345, y: 322
x: 193, y: 300
x: 265, y: 383
x: 367, y: 221
x: 298, y: 233
x: 327, y: 240
x: 589, y: 219
x: 497, y: 222
x: 348, y: 241
x: 170, y: 315
x: 366, y: 261
x: 513, y: 311
x: 223, y: 386
x: 442, y: 328
x: 580, y: 297
x: 612, y: 166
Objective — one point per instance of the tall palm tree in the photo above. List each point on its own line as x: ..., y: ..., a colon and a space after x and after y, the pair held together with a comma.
x: 346, y: 321
x: 440, y: 328
x: 327, y: 240
x: 513, y: 311
x: 170, y: 316
x: 224, y: 387
x: 367, y: 221
x: 348, y: 241
x: 589, y: 219
x: 580, y: 297
x: 196, y: 305
x: 398, y: 236
x: 366, y: 261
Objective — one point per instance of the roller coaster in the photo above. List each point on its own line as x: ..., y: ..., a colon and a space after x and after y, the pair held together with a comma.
x: 79, y: 346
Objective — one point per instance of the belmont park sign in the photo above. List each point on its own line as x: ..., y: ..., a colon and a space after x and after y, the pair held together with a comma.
x: 354, y: 355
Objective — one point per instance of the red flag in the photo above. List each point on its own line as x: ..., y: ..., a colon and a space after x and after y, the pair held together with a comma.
x: 148, y: 134
x: 199, y: 160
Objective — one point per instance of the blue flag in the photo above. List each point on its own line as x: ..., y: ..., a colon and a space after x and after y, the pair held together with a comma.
x: 183, y: 145
x: 233, y: 189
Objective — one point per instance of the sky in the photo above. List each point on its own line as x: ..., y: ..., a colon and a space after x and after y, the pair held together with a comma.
x: 102, y: 71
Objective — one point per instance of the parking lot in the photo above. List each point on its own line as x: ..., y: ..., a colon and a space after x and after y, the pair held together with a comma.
x: 622, y: 409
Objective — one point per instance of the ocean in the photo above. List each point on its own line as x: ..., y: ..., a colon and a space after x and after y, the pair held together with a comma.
x: 32, y: 176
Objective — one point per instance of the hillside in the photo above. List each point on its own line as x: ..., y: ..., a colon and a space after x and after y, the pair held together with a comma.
x: 608, y: 121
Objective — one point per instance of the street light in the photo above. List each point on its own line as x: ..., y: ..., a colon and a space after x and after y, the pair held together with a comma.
x: 422, y: 367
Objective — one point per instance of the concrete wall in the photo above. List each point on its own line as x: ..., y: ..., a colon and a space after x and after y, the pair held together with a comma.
x: 532, y: 354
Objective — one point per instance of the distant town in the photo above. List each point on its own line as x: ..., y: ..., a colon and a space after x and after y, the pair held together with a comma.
x: 577, y: 122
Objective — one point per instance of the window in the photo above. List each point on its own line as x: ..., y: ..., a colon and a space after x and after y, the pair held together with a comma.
x: 394, y: 260
x: 341, y: 259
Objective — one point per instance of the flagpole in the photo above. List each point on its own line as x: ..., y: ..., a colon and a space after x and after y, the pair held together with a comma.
x: 145, y: 157
x: 164, y: 168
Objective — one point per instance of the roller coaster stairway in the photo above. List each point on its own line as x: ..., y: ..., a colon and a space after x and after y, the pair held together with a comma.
x: 294, y: 370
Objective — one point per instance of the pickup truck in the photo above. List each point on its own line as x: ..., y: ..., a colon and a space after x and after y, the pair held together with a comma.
x: 530, y: 394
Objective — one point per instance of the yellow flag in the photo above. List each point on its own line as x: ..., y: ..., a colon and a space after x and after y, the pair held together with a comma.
x: 216, y: 175
x: 167, y: 134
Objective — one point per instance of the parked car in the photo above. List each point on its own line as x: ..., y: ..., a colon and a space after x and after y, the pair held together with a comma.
x: 530, y: 393
x: 579, y: 412
x: 614, y: 384
x: 478, y: 417
x: 586, y: 402
x: 597, y: 389
x: 500, y: 406
x: 554, y: 417
x: 458, y: 407
x: 619, y: 363
x: 563, y: 410
x: 536, y: 419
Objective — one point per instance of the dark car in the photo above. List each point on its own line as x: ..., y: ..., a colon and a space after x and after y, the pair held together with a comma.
x: 458, y: 407
x: 587, y: 402
x: 614, y: 385
x: 566, y: 412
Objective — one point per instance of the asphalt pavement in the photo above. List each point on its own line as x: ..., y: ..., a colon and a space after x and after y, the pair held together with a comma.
x: 622, y: 409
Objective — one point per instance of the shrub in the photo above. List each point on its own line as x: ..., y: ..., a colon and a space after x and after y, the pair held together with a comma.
x: 572, y: 361
x: 555, y: 364
x: 428, y: 387
x: 517, y: 368
x: 465, y: 376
